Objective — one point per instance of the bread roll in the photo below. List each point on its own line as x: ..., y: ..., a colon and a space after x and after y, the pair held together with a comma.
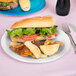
x: 35, y: 22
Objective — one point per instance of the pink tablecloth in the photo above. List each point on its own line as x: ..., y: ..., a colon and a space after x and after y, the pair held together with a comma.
x: 65, y: 66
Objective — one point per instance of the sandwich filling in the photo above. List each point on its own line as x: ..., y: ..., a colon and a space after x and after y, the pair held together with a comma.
x: 8, y: 5
x: 4, y: 5
x: 28, y: 34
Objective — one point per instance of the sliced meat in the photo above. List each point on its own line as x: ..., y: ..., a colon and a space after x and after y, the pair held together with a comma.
x: 17, y: 39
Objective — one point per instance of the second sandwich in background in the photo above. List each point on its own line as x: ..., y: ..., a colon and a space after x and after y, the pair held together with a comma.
x: 8, y: 4
x: 12, y: 4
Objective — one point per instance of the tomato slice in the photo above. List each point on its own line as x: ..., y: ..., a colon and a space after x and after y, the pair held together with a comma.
x: 49, y: 36
x: 54, y: 34
x: 31, y: 37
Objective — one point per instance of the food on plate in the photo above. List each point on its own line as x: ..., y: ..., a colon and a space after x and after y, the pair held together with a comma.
x: 8, y: 4
x: 31, y: 37
x: 30, y: 49
x: 38, y: 43
x: 58, y: 42
x: 20, y: 49
x: 36, y: 28
x: 49, y: 49
x: 43, y: 56
x: 48, y: 42
x: 33, y: 48
x: 25, y: 5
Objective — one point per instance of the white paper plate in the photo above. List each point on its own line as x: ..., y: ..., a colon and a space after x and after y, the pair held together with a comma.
x: 5, y: 41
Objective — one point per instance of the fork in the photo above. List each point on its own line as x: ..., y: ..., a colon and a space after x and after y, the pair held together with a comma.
x: 66, y: 29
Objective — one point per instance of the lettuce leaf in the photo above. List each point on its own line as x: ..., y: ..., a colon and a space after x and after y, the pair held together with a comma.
x: 30, y: 31
x: 15, y: 32
x: 46, y: 30
x: 54, y: 29
x: 9, y: 32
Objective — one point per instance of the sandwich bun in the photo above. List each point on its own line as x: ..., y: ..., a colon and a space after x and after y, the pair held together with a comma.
x: 8, y: 0
x: 35, y: 22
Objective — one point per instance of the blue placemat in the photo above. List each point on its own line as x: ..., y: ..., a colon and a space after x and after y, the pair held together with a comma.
x: 36, y: 5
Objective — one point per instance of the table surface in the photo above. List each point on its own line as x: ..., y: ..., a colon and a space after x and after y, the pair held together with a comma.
x: 65, y: 66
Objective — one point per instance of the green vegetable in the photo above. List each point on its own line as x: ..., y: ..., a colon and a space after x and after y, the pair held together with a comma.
x: 30, y: 31
x: 54, y: 29
x: 46, y: 30
x: 9, y: 32
x: 7, y: 3
x: 4, y: 8
x: 4, y: 4
x: 0, y: 3
x: 15, y: 32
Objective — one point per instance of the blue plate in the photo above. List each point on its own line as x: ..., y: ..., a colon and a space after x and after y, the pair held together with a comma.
x: 36, y: 5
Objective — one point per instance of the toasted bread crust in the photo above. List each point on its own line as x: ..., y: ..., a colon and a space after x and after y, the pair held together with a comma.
x: 35, y: 22
x: 7, y: 0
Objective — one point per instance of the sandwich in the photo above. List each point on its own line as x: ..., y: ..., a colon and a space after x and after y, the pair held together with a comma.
x: 25, y: 5
x: 8, y: 4
x: 28, y: 36
x: 30, y: 29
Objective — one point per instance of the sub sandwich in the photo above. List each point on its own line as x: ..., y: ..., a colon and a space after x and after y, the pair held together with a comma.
x: 27, y: 37
x: 36, y: 28
x: 8, y: 4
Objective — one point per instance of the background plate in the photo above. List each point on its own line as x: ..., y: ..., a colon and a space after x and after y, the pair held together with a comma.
x: 5, y: 41
x: 36, y: 5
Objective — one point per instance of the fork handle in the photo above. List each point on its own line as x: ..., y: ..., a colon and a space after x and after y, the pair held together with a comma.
x: 72, y: 42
